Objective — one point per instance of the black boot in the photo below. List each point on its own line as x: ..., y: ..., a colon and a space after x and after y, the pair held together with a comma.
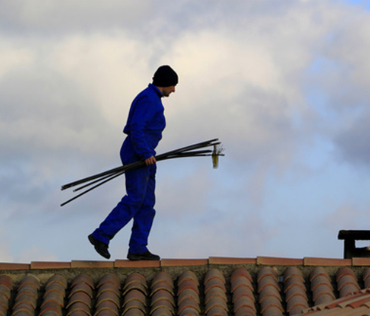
x: 100, y: 247
x: 142, y: 256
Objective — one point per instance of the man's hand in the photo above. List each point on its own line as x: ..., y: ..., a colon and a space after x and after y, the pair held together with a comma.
x: 150, y: 161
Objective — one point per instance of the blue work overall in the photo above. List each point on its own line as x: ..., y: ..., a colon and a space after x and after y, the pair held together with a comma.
x: 144, y: 128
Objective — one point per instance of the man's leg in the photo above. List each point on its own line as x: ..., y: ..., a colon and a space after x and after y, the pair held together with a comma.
x: 143, y: 219
x: 136, y: 186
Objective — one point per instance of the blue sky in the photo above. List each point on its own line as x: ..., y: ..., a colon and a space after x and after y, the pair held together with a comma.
x: 283, y: 86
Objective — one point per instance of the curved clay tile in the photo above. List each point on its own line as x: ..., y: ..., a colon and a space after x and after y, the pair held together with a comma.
x: 49, y: 307
x: 133, y: 312
x: 267, y: 271
x: 57, y: 278
x: 294, y: 291
x: 267, y: 280
x: 319, y: 271
x: 162, y: 295
x: 216, y: 291
x: 243, y: 291
x: 23, y: 307
x: 345, y: 271
x: 5, y: 291
x: 240, y: 272
x: 104, y: 312
x: 134, y: 295
x: 107, y: 306
x: 245, y: 311
x: 162, y: 304
x: 108, y: 296
x: 6, y: 280
x: 28, y: 289
x: 365, y: 274
x: 162, y: 285
x: 217, y: 311
x: 293, y: 282
x: 188, y: 275
x: 241, y: 281
x: 108, y: 287
x: 214, y: 274
x: 292, y: 272
x: 54, y: 297
x: 133, y: 304
x: 134, y: 286
x: 298, y: 303
x: 135, y: 278
x: 26, y: 298
x: 189, y: 311
x: 30, y: 279
x: 188, y: 303
x: 212, y: 283
x: 323, y: 299
x: 79, y: 297
x: 345, y: 280
x: 83, y: 278
x: 161, y: 277
x: 319, y: 281
x: 78, y: 307
x: 187, y: 284
x: 244, y: 301
x: 215, y: 302
x: 188, y: 293
x: 267, y: 292
x: 270, y: 302
x: 110, y: 278
x: 348, y: 289
x: 162, y: 312
x: 81, y: 287
x: 55, y: 287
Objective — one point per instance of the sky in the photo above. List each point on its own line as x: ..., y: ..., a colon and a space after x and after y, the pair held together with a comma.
x: 282, y: 84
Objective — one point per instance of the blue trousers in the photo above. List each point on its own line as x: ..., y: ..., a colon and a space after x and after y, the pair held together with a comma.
x: 138, y: 205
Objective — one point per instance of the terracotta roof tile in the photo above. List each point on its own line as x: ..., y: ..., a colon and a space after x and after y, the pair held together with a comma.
x: 188, y: 275
x: 214, y: 282
x: 83, y: 278
x: 107, y: 306
x: 135, y: 295
x: 189, y: 312
x: 240, y: 272
x: 193, y: 290
x: 134, y: 304
x: 188, y: 293
x: 217, y: 311
x: 214, y: 274
x: 110, y: 278
x: 162, y: 312
x: 244, y: 301
x: 188, y: 304
x: 268, y: 280
x: 215, y: 291
x: 162, y: 295
x: 163, y: 303
x: 267, y: 271
x: 133, y: 312
x: 245, y: 311
x: 108, y: 296
x: 243, y: 291
x: 51, y: 306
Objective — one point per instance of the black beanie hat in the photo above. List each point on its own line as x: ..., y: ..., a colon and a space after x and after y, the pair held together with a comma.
x: 165, y: 76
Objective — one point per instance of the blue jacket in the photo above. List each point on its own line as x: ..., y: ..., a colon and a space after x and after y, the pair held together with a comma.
x: 144, y: 126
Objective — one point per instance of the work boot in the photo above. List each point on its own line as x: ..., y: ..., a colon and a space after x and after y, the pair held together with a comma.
x: 100, y: 247
x: 142, y: 256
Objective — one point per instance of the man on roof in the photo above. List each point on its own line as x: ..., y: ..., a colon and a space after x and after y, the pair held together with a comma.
x: 144, y: 127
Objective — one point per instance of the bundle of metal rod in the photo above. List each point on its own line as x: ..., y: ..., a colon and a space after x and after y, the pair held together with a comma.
x: 188, y: 151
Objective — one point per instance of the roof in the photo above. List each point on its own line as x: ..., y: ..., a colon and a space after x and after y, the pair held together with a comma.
x: 213, y: 287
